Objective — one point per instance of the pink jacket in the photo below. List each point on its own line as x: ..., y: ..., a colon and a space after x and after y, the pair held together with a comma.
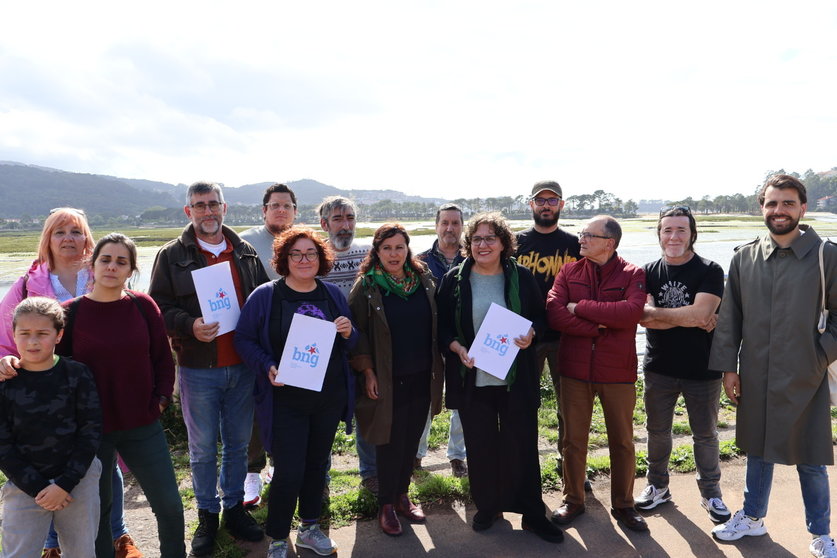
x: 612, y: 296
x: 37, y: 284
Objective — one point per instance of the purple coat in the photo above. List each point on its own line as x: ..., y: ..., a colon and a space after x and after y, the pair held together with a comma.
x: 252, y: 341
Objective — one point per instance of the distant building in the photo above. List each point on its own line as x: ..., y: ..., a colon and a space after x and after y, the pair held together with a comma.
x: 827, y: 203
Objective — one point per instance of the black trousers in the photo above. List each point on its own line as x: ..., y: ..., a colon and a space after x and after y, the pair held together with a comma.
x: 502, y: 444
x: 410, y: 405
x: 302, y: 440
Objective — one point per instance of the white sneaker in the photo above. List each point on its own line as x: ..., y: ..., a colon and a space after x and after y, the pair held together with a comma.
x: 823, y: 547
x: 313, y: 539
x: 739, y: 526
x: 718, y: 512
x: 252, y: 490
x: 267, y: 475
x: 652, y: 497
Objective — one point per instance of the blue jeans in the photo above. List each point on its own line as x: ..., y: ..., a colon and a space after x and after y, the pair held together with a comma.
x: 815, y: 493
x: 366, y: 456
x: 117, y: 517
x: 456, y: 438
x: 702, y: 401
x: 213, y: 400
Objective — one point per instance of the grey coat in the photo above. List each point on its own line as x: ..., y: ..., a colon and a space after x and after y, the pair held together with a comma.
x: 769, y: 311
x: 374, y: 350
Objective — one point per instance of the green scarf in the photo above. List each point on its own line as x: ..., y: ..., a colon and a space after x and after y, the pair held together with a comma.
x: 391, y: 285
x: 512, y: 300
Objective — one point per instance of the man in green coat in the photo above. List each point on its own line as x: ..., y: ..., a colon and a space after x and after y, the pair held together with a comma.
x: 769, y: 313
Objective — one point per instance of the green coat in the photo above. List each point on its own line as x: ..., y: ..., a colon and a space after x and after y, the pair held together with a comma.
x: 769, y: 311
x: 374, y: 350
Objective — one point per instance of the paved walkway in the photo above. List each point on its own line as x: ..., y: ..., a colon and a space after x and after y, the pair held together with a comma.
x: 678, y: 529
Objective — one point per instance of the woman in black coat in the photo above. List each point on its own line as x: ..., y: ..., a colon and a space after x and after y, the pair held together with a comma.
x: 499, y: 417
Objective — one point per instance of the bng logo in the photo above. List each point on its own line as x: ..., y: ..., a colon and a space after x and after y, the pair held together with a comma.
x: 221, y: 302
x: 500, y: 343
x: 310, y: 355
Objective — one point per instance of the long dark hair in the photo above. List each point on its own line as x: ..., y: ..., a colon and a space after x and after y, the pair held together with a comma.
x: 385, y: 231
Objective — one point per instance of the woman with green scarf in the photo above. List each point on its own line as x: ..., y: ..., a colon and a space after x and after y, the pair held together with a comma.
x: 401, y: 371
x: 499, y: 417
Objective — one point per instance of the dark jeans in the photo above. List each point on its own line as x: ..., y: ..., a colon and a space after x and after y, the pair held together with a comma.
x: 410, y: 405
x: 145, y: 451
x: 302, y: 439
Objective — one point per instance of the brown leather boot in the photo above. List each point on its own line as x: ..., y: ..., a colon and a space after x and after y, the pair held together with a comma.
x: 126, y: 548
x: 389, y: 521
x: 405, y: 508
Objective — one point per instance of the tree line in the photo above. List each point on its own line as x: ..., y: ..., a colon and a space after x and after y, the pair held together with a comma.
x: 822, y: 185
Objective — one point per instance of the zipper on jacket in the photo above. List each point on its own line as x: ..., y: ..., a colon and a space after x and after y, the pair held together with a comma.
x: 592, y: 358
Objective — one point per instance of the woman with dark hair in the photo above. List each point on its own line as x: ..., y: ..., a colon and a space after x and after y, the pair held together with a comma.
x: 297, y: 424
x: 120, y: 335
x: 394, y: 307
x: 499, y: 417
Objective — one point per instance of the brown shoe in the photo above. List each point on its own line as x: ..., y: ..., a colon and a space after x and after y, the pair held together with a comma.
x: 405, y: 508
x: 370, y: 484
x: 630, y: 518
x: 417, y: 464
x: 389, y: 521
x: 51, y: 553
x: 567, y: 512
x: 126, y: 548
x: 458, y: 467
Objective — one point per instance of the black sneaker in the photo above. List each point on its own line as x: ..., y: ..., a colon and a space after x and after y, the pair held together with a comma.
x: 241, y: 525
x: 203, y: 542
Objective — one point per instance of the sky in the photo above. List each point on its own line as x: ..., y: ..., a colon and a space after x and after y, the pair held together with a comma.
x: 449, y: 99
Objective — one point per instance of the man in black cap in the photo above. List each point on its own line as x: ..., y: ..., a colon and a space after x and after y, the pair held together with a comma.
x: 543, y: 249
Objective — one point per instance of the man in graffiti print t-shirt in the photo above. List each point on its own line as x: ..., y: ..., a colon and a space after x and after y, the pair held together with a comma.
x: 544, y: 249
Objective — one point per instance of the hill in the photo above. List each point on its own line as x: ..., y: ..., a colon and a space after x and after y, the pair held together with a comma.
x: 32, y: 191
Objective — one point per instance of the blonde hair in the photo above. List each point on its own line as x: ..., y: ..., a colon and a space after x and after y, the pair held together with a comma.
x: 58, y: 218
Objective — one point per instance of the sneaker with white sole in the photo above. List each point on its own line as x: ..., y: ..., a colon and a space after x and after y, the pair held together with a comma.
x: 718, y: 511
x: 278, y: 549
x: 252, y: 490
x: 739, y: 526
x: 652, y: 497
x: 823, y: 547
x: 312, y: 538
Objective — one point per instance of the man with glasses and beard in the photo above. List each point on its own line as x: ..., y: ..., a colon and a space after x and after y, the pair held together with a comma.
x: 216, y: 387
x: 684, y: 291
x: 774, y: 361
x: 338, y: 219
x: 544, y: 249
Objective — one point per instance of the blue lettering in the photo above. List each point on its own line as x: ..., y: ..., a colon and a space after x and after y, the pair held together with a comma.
x: 489, y: 342
x: 502, y: 349
x: 219, y: 304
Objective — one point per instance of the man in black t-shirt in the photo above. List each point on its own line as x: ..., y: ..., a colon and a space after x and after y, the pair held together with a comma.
x: 684, y: 293
x: 544, y: 249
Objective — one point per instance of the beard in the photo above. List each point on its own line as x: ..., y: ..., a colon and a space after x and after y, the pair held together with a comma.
x: 276, y: 230
x: 209, y: 225
x: 781, y: 229
x: 342, y: 239
x: 542, y: 221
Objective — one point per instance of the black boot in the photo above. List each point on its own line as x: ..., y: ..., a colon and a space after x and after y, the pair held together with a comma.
x: 203, y: 543
x: 241, y: 525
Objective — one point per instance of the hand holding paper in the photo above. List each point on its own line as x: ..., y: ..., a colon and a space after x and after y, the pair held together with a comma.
x: 493, y: 350
x: 344, y: 326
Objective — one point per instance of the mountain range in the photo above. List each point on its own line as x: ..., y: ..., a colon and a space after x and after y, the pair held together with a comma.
x: 33, y: 190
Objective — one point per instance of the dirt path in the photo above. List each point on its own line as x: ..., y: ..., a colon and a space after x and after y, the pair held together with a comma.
x: 143, y: 525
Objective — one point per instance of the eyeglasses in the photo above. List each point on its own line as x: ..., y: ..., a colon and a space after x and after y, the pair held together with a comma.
x: 311, y: 255
x: 588, y: 236
x: 489, y: 240
x: 273, y: 206
x: 665, y: 212
x: 213, y: 206
x: 543, y: 201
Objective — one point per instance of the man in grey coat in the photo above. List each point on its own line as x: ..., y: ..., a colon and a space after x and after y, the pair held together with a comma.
x: 768, y: 313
